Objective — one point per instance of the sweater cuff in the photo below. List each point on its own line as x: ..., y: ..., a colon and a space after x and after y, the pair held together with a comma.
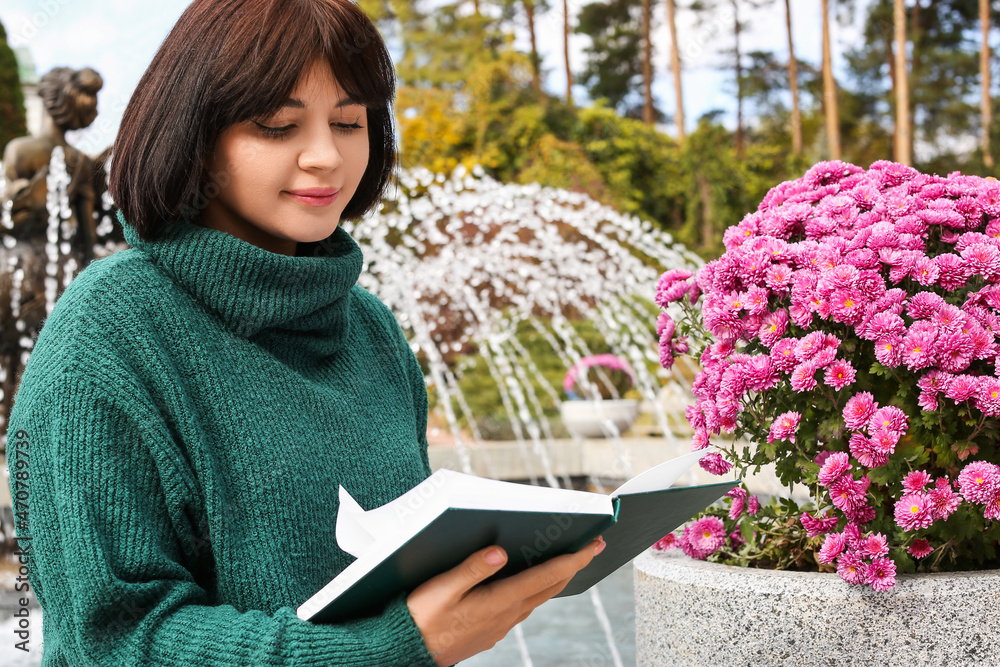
x: 396, y: 636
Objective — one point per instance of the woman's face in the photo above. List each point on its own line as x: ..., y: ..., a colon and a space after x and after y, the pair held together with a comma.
x: 287, y: 178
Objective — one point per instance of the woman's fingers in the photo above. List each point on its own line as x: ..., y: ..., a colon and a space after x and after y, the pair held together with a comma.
x: 549, y: 574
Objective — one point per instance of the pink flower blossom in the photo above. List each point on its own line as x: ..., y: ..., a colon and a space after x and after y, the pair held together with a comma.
x: 944, y: 501
x: 736, y: 508
x: 916, y: 481
x: 875, y: 545
x: 913, y: 511
x: 859, y: 410
x: 890, y: 418
x: 703, y: 537
x: 803, y: 377
x: 784, y: 427
x: 753, y: 505
x: 852, y: 568
x: 818, y: 526
x: 835, y: 466
x: 715, y: 464
x: 920, y: 548
x: 881, y: 574
x: 668, y: 541
x: 839, y: 374
x: 832, y: 547
x: 979, y: 481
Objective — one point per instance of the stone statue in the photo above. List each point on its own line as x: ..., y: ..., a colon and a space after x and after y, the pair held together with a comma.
x: 31, y: 256
x: 70, y: 100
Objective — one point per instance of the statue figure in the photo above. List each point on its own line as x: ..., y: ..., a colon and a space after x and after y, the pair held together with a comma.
x: 70, y: 100
x: 27, y: 290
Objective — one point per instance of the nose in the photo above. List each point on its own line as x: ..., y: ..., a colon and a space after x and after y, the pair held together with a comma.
x: 320, y: 152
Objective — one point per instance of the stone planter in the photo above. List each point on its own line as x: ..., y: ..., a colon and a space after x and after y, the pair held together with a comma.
x: 589, y: 419
x: 690, y: 612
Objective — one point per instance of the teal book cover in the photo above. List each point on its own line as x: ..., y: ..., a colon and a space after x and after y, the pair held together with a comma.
x: 450, y: 515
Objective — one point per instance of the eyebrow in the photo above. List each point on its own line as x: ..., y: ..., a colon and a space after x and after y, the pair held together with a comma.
x: 299, y: 104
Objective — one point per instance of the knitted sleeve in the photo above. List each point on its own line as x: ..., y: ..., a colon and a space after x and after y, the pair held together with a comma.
x: 105, y: 502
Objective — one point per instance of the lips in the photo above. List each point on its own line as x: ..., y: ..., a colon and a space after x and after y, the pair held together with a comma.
x: 315, y: 196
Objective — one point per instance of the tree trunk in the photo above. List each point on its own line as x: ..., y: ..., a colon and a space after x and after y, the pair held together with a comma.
x: 902, y: 145
x: 984, y: 75
x: 536, y: 76
x: 647, y: 64
x: 569, y: 72
x: 830, y: 90
x: 675, y: 66
x: 793, y: 82
x: 739, y: 81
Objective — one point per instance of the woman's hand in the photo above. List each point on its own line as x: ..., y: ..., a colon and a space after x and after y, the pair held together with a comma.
x: 459, y: 618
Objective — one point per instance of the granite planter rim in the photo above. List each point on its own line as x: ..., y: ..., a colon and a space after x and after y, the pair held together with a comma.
x: 653, y: 561
x: 692, y: 612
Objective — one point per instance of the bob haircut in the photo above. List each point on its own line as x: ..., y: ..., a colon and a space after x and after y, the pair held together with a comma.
x: 230, y: 61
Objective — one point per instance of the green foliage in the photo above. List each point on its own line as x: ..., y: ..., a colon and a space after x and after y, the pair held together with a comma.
x: 12, y: 114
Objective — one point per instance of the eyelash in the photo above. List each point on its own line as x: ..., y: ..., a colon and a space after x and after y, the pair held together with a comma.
x: 281, y: 132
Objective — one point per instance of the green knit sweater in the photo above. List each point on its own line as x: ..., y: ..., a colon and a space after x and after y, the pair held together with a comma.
x: 188, y: 411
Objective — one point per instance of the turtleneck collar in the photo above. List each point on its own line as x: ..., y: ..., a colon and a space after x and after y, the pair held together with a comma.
x: 294, y: 306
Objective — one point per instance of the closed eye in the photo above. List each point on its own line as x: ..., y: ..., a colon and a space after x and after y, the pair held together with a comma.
x: 281, y: 132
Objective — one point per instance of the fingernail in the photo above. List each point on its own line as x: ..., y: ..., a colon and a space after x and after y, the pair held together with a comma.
x: 600, y: 547
x: 494, y: 557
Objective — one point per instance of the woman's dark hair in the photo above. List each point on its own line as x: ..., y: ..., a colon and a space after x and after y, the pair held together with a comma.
x: 229, y: 61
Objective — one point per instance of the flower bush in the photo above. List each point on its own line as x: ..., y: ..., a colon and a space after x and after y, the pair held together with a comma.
x: 849, y: 332
x: 616, y: 382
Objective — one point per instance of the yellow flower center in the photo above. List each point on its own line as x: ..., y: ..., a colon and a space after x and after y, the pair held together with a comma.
x: 979, y: 480
x: 915, y: 509
x: 848, y: 303
x: 706, y: 534
x: 916, y: 349
x: 774, y: 327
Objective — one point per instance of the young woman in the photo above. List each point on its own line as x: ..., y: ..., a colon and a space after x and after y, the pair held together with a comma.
x: 193, y: 403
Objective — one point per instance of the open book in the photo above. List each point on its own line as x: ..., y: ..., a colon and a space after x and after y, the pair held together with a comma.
x: 442, y: 520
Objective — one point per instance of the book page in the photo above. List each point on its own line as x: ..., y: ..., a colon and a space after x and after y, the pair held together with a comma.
x: 663, y: 475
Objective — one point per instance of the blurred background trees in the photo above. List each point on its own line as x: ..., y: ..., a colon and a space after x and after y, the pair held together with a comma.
x: 468, y: 94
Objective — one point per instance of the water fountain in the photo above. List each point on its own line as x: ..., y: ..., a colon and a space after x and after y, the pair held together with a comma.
x: 463, y: 261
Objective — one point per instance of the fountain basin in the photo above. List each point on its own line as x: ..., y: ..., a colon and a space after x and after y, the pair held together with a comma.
x: 594, y: 419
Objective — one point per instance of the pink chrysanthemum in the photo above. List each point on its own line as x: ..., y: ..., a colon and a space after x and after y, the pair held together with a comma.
x: 889, y: 418
x: 715, y: 464
x: 839, y: 374
x: 913, y: 511
x: 832, y: 547
x: 916, y: 481
x: 920, y: 548
x: 859, y: 410
x: 803, y: 377
x: 773, y: 328
x: 703, y: 537
x: 875, y: 545
x: 753, y: 505
x: 784, y: 427
x: 852, y: 568
x: 736, y: 508
x: 944, y: 501
x: 818, y: 526
x: 668, y: 541
x: 979, y: 481
x: 882, y: 574
x: 835, y: 466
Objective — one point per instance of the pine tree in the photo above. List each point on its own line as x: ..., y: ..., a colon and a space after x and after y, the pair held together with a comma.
x: 13, y: 121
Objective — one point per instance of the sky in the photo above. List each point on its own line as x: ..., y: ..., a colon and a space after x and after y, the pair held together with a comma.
x: 118, y: 38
